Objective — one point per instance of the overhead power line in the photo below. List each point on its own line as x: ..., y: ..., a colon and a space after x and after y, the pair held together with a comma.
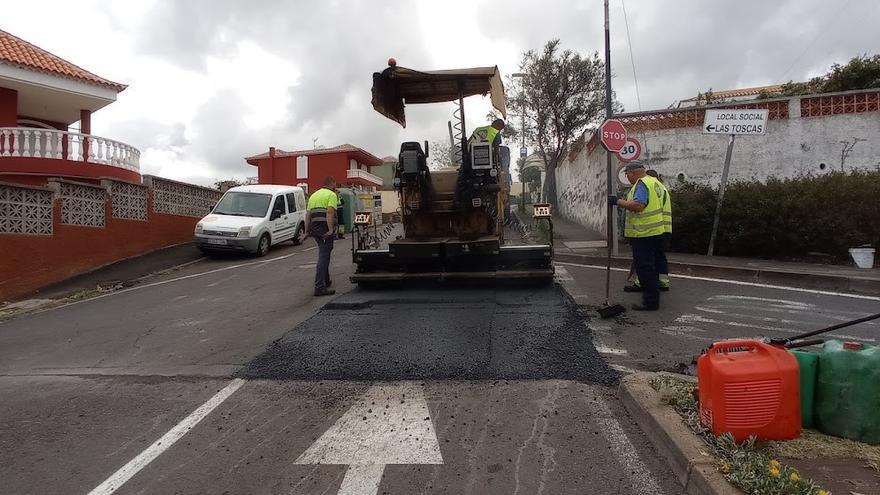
x: 631, y: 58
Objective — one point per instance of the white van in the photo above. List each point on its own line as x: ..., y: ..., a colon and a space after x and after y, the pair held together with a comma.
x: 254, y: 218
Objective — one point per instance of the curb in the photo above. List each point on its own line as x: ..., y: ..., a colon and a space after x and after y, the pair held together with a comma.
x: 686, y: 454
x: 837, y: 283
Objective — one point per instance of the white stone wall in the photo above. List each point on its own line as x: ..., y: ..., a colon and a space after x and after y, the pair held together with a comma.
x: 581, y: 189
x: 792, y: 147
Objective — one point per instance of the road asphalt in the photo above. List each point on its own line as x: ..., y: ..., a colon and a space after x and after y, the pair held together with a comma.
x: 228, y: 376
x: 700, y: 310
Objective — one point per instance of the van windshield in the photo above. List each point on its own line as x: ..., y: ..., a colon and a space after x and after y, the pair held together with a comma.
x: 243, y: 204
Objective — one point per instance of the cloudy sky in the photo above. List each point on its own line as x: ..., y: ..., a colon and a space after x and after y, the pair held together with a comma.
x: 212, y: 81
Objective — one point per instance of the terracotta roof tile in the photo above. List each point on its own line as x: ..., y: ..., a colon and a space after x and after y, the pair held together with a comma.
x: 342, y: 148
x: 16, y: 51
x: 733, y: 93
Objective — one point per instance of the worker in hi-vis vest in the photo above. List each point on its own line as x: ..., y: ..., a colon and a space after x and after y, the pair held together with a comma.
x: 321, y: 221
x: 491, y: 133
x: 662, y: 266
x: 644, y: 228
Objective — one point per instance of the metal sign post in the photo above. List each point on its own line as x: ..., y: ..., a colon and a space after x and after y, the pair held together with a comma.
x: 730, y: 122
x: 612, y: 211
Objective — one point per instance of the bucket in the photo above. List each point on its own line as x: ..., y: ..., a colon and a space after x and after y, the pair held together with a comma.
x: 863, y: 256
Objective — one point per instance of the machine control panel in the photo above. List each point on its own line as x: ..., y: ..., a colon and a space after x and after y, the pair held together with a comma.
x: 542, y: 210
x: 363, y: 218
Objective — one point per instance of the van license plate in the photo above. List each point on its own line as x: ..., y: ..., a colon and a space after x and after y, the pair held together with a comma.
x: 220, y: 242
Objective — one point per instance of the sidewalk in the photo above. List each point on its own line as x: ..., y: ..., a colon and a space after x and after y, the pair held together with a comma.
x: 125, y: 272
x: 576, y: 244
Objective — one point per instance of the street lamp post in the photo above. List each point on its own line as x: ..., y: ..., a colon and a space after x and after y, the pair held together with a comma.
x: 522, y: 132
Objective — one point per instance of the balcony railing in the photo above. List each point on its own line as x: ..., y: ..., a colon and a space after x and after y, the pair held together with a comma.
x: 363, y: 174
x: 27, y: 142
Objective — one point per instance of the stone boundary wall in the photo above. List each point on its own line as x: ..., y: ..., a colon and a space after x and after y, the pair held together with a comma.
x: 49, y: 234
x: 814, y: 134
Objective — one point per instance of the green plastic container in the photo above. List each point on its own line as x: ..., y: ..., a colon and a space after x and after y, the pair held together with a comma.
x: 808, y: 363
x: 848, y: 392
x: 350, y: 204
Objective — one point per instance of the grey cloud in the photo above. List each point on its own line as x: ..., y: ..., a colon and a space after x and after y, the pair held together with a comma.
x: 146, y: 133
x: 682, y: 47
x: 335, y: 45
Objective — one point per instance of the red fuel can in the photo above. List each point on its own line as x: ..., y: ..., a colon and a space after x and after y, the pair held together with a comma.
x: 747, y: 387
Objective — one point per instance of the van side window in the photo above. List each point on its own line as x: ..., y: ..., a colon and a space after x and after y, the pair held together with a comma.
x: 279, y: 204
x: 300, y: 202
x: 291, y: 202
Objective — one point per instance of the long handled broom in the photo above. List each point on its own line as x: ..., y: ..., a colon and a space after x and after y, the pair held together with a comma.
x: 609, y: 310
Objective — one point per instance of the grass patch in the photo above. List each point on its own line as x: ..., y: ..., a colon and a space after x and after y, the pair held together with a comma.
x: 747, y: 465
x: 815, y: 445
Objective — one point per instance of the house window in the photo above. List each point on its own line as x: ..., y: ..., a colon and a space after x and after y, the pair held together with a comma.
x: 353, y: 164
x: 302, y: 167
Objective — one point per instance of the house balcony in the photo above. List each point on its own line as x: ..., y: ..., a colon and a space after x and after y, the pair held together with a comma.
x: 364, y: 178
x: 31, y: 153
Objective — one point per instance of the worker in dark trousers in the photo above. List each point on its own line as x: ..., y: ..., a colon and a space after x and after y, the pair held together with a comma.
x: 321, y: 221
x: 662, y: 265
x: 644, y: 227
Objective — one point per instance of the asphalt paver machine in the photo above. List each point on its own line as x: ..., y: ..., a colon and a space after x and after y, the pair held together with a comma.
x: 453, y: 218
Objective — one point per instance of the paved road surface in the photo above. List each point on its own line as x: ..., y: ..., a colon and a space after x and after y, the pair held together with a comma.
x: 697, y: 312
x: 227, y: 377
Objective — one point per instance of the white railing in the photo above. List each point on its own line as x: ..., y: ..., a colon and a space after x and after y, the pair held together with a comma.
x: 363, y: 174
x: 27, y: 142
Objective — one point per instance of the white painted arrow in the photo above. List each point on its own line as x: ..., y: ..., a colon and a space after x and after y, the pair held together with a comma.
x: 389, y: 424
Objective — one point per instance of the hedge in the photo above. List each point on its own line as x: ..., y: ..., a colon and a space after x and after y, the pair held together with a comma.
x: 783, y: 218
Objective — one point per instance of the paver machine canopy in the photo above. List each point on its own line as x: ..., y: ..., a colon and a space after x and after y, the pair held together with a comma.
x: 453, y: 218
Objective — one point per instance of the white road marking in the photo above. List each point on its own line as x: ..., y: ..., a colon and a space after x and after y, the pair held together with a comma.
x: 737, y: 282
x: 628, y: 458
x: 598, y: 331
x: 603, y: 349
x: 389, y: 424
x: 752, y: 307
x: 623, y: 369
x: 125, y: 473
x: 562, y: 275
x: 178, y: 279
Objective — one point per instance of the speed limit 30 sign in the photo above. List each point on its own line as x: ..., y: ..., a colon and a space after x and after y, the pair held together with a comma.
x: 631, y: 150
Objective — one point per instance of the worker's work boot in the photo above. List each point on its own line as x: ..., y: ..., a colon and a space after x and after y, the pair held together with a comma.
x: 664, y: 282
x: 325, y: 292
x: 632, y: 288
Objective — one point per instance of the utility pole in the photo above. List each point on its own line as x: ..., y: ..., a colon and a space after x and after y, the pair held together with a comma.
x: 612, y: 211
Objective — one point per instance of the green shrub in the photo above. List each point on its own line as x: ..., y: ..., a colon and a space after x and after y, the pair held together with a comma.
x: 782, y: 218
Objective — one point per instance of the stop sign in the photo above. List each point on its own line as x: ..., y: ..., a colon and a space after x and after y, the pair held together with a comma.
x: 612, y: 134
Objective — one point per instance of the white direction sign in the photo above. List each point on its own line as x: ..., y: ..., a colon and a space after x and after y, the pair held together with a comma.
x: 389, y: 424
x: 735, y: 121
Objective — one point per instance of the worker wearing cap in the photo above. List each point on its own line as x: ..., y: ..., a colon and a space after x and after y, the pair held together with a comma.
x: 662, y: 265
x: 490, y: 133
x: 321, y: 221
x: 644, y: 227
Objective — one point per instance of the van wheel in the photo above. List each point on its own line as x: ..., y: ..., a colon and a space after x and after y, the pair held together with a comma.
x: 263, y: 246
x: 298, y: 238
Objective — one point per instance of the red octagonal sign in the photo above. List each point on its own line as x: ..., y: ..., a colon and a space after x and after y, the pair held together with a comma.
x: 612, y: 134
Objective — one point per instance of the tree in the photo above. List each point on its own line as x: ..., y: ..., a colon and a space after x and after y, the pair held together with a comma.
x: 860, y: 72
x: 561, y: 94
x: 532, y: 177
x: 440, y: 155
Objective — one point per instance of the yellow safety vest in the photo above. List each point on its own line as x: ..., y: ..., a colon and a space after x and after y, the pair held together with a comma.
x: 319, y: 201
x: 648, y: 222
x: 667, y: 210
x: 487, y: 133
